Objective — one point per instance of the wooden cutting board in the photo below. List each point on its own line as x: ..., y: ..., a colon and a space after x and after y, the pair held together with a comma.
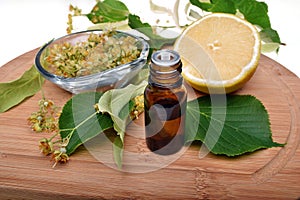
x: 90, y: 174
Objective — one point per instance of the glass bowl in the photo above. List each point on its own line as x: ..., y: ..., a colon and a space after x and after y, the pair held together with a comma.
x: 117, y: 77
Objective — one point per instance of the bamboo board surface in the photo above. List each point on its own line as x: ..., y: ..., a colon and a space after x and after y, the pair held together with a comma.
x: 265, y: 174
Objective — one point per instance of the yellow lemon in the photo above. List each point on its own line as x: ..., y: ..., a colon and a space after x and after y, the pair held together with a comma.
x: 220, y: 53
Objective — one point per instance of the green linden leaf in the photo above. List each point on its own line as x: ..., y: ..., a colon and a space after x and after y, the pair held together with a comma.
x: 236, y: 126
x: 223, y: 6
x: 135, y: 22
x: 108, y: 11
x: 216, y: 6
x: 155, y: 41
x: 118, y: 148
x: 203, y: 5
x: 118, y: 104
x: 114, y: 103
x: 80, y: 122
x: 269, y: 47
x: 269, y: 35
x: 255, y: 12
x: 13, y: 93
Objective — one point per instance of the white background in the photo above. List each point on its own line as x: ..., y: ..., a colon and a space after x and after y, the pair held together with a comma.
x: 28, y: 24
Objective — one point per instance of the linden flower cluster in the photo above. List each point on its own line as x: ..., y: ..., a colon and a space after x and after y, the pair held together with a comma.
x: 138, y: 107
x: 46, y: 120
x: 76, y: 12
x: 58, y: 155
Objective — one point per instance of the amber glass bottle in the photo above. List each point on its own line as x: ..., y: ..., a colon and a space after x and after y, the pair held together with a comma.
x: 165, y: 103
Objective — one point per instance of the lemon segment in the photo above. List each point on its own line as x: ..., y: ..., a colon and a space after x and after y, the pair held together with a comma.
x: 220, y: 53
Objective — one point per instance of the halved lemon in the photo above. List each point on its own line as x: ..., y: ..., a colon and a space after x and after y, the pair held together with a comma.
x: 220, y: 53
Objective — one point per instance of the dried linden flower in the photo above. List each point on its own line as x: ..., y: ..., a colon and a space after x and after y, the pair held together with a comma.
x: 99, y: 53
x: 46, y: 146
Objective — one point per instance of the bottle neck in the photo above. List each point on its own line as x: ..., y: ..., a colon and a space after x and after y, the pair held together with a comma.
x: 165, y: 69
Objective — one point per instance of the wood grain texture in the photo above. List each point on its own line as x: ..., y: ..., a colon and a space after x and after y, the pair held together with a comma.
x: 265, y: 174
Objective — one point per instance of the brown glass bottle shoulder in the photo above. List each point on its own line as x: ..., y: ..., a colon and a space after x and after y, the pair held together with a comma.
x: 154, y: 95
